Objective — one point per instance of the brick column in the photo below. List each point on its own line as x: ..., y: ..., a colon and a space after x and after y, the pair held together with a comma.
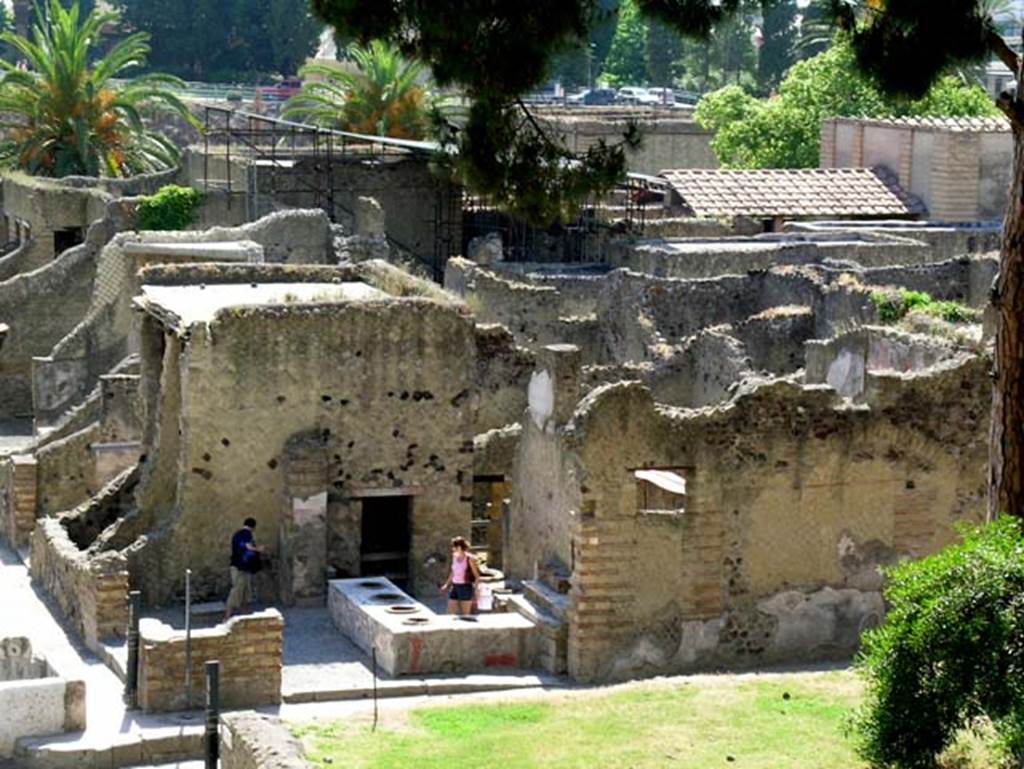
x: 955, y: 177
x: 303, y: 526
x: 23, y: 498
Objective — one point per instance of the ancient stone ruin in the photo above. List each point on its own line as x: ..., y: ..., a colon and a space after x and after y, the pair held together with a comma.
x: 690, y: 448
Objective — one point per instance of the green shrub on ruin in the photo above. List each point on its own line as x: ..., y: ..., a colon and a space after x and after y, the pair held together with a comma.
x: 893, y: 306
x: 171, y: 208
x: 950, y: 655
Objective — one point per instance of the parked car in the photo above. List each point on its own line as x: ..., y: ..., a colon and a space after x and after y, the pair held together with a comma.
x: 665, y: 96
x: 281, y: 91
x: 593, y: 97
x: 633, y: 94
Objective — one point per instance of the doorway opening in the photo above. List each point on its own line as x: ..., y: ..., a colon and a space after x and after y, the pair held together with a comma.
x: 67, y: 238
x: 386, y: 532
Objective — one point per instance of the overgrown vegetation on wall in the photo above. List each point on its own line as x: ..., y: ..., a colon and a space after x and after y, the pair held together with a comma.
x: 950, y: 654
x: 171, y: 208
x: 893, y: 306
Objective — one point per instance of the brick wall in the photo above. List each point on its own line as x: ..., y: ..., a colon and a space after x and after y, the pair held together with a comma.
x: 91, y: 592
x: 249, y: 649
x: 18, y: 489
x: 955, y: 175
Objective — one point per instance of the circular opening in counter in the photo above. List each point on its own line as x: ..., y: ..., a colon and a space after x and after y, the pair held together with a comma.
x: 415, y: 621
x: 388, y: 597
x: 402, y: 608
x: 371, y: 583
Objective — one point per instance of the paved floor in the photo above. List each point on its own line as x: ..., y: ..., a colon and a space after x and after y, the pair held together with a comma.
x: 28, y: 612
x: 15, y: 435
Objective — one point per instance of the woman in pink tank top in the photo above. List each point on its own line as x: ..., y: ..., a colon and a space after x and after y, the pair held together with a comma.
x: 463, y: 578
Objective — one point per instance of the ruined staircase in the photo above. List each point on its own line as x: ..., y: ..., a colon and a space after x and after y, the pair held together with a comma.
x: 548, y: 608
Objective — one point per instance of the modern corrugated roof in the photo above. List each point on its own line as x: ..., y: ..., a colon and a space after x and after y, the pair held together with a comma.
x: 793, y: 192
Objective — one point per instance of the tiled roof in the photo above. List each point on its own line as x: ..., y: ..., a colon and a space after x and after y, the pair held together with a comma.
x: 957, y: 124
x: 793, y: 192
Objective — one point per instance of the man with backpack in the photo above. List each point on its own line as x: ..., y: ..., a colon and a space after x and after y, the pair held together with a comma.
x: 245, y: 562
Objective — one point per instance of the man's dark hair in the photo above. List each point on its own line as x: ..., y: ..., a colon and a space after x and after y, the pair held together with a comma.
x: 250, y: 522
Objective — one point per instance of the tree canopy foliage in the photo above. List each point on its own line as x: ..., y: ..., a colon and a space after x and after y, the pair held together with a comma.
x: 950, y: 651
x: 379, y: 95
x: 785, y: 131
x: 64, y: 114
x: 228, y: 40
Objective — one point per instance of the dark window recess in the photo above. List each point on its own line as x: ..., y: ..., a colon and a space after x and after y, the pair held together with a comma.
x: 67, y: 238
x: 385, y: 538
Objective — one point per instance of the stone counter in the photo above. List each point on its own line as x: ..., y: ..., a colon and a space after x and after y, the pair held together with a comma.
x: 411, y: 639
x: 35, y: 701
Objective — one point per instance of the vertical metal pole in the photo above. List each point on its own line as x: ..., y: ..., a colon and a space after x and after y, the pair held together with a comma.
x: 211, y: 737
x: 188, y: 639
x: 131, y: 678
x: 373, y: 655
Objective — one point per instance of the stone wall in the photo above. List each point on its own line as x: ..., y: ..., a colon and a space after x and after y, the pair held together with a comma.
x: 253, y: 741
x: 36, y: 701
x: 389, y: 386
x: 249, y: 649
x: 711, y: 257
x: 671, y: 138
x: 40, y: 307
x: 105, y: 335
x: 92, y: 592
x: 793, y: 500
x: 47, y: 206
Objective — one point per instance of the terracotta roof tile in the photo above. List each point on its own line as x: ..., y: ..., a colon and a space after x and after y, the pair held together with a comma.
x: 955, y: 124
x: 793, y: 192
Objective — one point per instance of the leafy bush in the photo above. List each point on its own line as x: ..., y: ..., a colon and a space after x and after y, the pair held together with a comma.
x: 950, y: 652
x: 171, y: 208
x: 785, y: 131
x: 893, y: 306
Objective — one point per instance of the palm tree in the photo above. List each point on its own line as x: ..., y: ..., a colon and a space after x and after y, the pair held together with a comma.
x: 61, y: 110
x: 381, y: 97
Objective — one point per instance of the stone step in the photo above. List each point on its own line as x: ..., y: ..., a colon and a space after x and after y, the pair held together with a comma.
x: 174, y: 740
x: 540, y: 594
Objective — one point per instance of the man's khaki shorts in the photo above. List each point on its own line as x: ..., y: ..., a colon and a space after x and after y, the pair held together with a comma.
x: 241, y: 589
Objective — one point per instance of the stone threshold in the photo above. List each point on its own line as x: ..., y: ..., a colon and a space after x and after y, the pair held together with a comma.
x: 426, y: 687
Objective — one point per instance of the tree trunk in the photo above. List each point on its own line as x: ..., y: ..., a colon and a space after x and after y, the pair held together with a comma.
x: 1006, y: 450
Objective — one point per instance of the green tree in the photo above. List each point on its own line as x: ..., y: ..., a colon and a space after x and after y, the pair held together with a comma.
x: 778, y: 38
x: 65, y: 116
x: 951, y: 651
x: 627, y: 60
x: 664, y: 50
x: 225, y: 39
x: 785, y: 131
x: 817, y: 28
x: 379, y: 96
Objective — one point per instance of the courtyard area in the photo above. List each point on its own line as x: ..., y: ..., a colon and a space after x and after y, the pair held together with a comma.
x: 794, y: 719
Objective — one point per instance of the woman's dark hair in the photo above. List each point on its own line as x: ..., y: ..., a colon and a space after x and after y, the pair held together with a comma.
x: 250, y: 522
x: 461, y: 543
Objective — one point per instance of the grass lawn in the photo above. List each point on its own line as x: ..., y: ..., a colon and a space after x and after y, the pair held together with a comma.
x: 772, y: 721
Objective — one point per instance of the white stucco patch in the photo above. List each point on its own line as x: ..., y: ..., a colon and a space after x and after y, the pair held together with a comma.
x: 541, y: 398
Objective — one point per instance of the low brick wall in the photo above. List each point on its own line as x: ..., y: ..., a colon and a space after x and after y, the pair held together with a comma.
x: 18, y: 486
x: 249, y: 649
x: 91, y: 592
x: 253, y: 741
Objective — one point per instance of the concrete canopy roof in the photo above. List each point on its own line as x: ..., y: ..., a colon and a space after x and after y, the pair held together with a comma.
x: 183, y: 306
x: 793, y: 192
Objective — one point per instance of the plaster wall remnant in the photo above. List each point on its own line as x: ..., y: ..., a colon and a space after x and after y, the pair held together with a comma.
x: 386, y: 382
x: 792, y: 500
